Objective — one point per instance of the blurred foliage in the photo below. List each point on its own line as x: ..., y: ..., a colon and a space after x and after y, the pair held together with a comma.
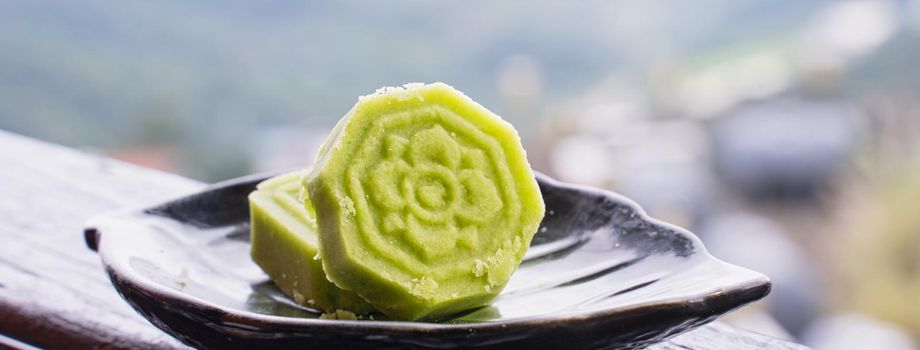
x: 880, y: 260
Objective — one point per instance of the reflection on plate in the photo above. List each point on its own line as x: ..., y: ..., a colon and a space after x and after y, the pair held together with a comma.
x: 599, y: 274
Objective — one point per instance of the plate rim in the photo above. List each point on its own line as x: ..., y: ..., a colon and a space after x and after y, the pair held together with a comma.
x: 752, y: 289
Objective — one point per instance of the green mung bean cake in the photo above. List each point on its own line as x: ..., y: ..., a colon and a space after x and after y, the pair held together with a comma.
x: 284, y: 244
x: 425, y: 202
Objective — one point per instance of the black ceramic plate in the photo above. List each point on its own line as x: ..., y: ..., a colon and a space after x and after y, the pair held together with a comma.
x: 599, y: 274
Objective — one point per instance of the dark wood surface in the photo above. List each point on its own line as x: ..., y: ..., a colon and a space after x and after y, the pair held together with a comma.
x: 53, y: 291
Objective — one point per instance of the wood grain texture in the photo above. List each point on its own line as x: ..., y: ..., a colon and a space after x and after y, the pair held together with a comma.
x: 53, y: 290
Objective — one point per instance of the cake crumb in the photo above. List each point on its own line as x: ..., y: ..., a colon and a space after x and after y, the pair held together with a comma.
x: 348, y: 205
x: 339, y: 315
x: 480, y: 268
x: 424, y: 287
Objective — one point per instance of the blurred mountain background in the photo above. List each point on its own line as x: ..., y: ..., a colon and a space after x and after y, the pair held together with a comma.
x: 203, y: 76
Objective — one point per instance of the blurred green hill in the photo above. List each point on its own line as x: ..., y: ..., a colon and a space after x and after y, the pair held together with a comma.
x: 202, y: 76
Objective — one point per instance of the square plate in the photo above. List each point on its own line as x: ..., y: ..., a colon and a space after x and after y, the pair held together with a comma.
x: 599, y: 274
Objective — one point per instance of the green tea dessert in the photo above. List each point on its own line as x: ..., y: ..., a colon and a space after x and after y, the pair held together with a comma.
x: 284, y: 245
x: 425, y: 202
